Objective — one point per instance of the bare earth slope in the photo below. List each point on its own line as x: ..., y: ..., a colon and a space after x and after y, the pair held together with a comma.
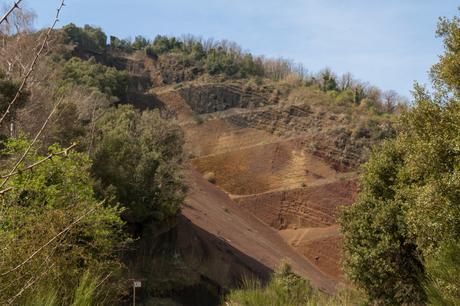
x: 279, y: 181
x: 213, y: 211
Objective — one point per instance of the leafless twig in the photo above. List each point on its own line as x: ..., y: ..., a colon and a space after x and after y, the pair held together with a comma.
x: 44, y: 263
x: 23, y: 156
x: 29, y: 283
x: 54, y: 238
x: 2, y: 192
x: 103, y: 280
x: 10, y: 11
x: 32, y: 65
x: 50, y: 156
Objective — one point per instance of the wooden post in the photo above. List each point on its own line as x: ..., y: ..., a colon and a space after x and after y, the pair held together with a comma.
x: 136, y: 284
x: 134, y: 293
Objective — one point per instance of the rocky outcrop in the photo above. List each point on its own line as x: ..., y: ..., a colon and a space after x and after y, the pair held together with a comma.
x: 326, y: 135
x: 210, y: 98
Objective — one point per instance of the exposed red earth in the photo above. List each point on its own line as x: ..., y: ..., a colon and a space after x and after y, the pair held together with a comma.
x: 272, y: 198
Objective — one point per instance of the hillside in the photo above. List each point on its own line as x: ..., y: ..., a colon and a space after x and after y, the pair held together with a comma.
x: 282, y: 159
x: 269, y: 155
x: 169, y: 171
x: 275, y: 178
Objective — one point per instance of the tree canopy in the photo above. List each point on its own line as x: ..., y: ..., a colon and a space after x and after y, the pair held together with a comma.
x: 138, y: 155
x: 42, y: 203
x: 409, y: 204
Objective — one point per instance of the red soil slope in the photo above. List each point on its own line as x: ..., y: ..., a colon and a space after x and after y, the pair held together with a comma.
x: 272, y: 199
x: 213, y: 211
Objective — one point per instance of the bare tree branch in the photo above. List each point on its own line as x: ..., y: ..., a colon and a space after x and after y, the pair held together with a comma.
x: 23, y: 156
x: 34, y: 61
x: 50, y: 156
x: 44, y: 263
x: 29, y: 283
x: 2, y: 192
x: 65, y: 230
x: 10, y: 11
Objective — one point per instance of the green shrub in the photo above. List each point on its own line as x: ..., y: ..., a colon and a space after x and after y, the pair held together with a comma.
x: 89, y: 73
x: 345, y: 97
x: 163, y: 44
x: 328, y: 80
x: 408, y: 207
x: 138, y: 156
x: 87, y: 38
x: 378, y: 256
x: 217, y: 59
x: 41, y: 204
x: 140, y: 42
x: 121, y: 44
x: 287, y: 289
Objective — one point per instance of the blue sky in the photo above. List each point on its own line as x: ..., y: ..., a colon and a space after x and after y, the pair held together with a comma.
x: 389, y: 43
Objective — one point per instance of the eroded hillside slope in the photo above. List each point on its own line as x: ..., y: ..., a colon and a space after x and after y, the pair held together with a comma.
x: 283, y: 163
x: 211, y: 210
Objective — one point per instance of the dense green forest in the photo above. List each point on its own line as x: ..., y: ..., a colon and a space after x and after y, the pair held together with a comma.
x: 86, y: 174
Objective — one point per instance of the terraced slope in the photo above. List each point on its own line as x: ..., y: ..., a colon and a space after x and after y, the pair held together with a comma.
x: 277, y: 187
x: 264, y: 167
x: 211, y: 210
x: 308, y: 207
x: 320, y: 245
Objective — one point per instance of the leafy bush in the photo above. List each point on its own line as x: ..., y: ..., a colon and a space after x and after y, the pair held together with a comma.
x: 378, y: 257
x: 163, y: 44
x: 87, y: 38
x: 286, y: 289
x: 407, y: 205
x: 140, y: 42
x: 121, y: 44
x: 408, y: 208
x: 218, y: 58
x: 219, y: 61
x: 327, y: 80
x: 41, y: 204
x: 445, y: 73
x: 138, y: 156
x: 346, y: 97
x: 94, y: 75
